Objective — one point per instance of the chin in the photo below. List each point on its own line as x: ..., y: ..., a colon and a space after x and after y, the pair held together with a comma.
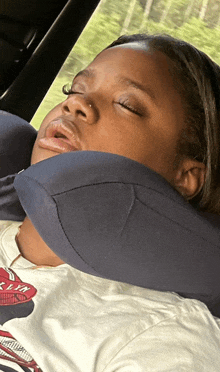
x: 42, y: 154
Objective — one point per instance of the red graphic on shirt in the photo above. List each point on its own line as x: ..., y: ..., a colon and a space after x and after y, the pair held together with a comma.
x: 11, y: 350
x: 12, y: 290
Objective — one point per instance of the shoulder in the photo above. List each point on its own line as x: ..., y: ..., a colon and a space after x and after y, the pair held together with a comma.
x: 187, y: 341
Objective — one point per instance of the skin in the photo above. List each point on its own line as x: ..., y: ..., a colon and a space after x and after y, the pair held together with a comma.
x: 111, y: 115
x: 149, y: 138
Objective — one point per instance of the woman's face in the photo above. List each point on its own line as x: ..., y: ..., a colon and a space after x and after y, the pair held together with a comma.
x: 123, y: 103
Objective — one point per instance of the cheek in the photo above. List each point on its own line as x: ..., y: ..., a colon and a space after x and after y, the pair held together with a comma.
x: 161, y: 154
x: 155, y: 147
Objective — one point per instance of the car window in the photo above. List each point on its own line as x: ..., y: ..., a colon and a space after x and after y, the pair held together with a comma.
x: 195, y: 21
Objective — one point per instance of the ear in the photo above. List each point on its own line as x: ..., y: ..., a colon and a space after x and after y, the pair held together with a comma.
x: 189, y: 178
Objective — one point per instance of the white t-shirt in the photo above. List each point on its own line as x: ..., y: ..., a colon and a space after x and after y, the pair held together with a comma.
x: 60, y: 319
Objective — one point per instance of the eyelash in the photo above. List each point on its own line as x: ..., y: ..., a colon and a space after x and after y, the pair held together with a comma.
x: 66, y: 91
x: 127, y: 106
x: 122, y: 103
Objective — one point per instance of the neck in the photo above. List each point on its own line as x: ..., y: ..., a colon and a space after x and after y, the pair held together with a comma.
x: 33, y: 247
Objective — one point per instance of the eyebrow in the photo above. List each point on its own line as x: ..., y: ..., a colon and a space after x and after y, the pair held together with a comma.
x: 137, y: 85
x: 122, y: 80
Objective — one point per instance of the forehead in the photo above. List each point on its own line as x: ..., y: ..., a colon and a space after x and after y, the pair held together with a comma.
x: 135, y: 61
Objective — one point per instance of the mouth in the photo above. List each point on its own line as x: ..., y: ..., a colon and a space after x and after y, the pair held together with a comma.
x: 60, y: 137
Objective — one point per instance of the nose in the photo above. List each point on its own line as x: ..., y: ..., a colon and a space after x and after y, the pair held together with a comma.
x: 81, y: 108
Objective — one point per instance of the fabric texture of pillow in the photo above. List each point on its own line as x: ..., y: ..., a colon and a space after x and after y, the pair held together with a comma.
x: 112, y: 217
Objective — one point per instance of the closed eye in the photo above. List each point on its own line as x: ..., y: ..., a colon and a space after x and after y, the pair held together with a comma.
x: 129, y: 107
x: 67, y: 91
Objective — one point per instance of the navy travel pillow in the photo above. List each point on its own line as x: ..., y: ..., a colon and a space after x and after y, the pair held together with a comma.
x: 16, y: 142
x: 112, y: 217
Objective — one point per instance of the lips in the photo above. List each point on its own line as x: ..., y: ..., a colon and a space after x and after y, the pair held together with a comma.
x: 60, y: 136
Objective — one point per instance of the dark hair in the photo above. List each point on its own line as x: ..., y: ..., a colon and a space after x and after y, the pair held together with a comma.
x: 197, y: 79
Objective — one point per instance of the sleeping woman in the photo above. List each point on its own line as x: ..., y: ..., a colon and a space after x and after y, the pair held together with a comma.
x: 154, y: 100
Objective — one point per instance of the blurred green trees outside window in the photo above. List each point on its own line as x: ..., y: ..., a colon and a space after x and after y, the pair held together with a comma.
x: 195, y: 21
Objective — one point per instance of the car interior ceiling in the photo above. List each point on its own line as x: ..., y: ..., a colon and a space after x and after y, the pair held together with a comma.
x: 36, y: 37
